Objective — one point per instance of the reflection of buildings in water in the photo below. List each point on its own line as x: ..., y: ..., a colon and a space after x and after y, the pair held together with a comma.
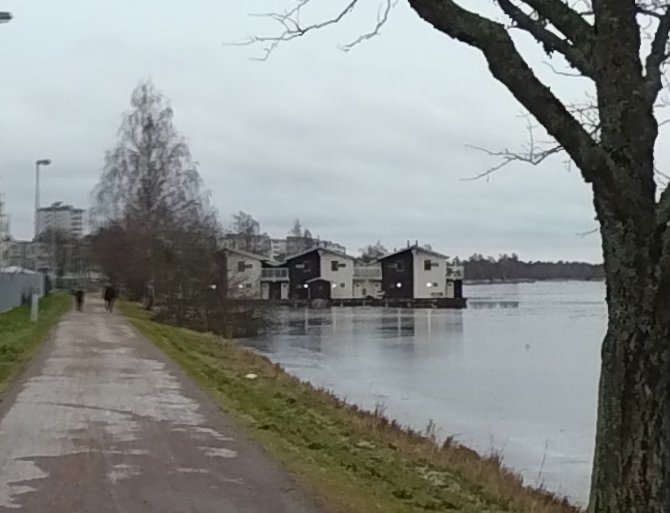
x: 477, y: 305
x: 398, y: 323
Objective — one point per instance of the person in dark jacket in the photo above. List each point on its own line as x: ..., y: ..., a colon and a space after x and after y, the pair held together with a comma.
x: 79, y: 299
x: 110, y: 297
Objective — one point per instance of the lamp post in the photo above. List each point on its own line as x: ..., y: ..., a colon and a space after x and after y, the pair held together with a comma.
x: 38, y: 164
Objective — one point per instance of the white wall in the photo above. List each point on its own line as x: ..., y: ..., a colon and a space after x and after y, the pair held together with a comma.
x: 436, y: 276
x: 247, y: 284
x: 344, y: 275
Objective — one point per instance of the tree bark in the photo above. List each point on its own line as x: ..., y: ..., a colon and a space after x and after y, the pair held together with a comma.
x: 632, y: 455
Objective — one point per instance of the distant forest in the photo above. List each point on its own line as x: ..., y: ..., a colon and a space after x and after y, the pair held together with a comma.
x: 510, y: 268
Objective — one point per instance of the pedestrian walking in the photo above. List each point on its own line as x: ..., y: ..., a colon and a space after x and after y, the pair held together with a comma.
x: 79, y: 299
x: 110, y: 296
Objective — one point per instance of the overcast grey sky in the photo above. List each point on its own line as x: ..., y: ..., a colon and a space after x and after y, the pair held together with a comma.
x: 361, y: 146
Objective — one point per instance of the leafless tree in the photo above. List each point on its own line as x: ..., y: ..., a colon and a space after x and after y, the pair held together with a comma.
x: 244, y: 223
x: 619, y: 48
x: 157, y: 229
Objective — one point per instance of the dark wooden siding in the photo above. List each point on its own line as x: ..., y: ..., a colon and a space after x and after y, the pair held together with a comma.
x: 391, y: 275
x: 298, y: 276
x: 320, y: 289
x: 458, y: 289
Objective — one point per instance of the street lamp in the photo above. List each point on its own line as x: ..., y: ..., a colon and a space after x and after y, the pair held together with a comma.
x: 41, y: 162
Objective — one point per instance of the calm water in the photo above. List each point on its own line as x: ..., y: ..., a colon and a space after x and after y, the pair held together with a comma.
x: 515, y: 372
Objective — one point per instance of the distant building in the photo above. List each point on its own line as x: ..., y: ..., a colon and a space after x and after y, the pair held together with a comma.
x: 256, y: 244
x: 244, y: 274
x: 297, y: 245
x: 29, y: 254
x: 420, y: 273
x: 251, y: 276
x: 278, y: 249
x: 367, y: 281
x: 60, y: 217
x: 4, y: 233
x: 321, y: 273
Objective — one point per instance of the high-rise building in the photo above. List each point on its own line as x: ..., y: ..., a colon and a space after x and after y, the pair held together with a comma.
x: 60, y: 217
x: 4, y: 232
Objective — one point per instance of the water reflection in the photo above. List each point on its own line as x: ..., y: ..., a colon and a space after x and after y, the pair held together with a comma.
x: 493, y: 304
x: 517, y: 370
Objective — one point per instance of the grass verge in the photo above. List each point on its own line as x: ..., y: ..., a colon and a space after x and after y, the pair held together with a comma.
x: 358, y: 461
x: 20, y: 338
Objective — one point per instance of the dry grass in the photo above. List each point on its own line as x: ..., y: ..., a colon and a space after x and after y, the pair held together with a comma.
x: 359, y: 461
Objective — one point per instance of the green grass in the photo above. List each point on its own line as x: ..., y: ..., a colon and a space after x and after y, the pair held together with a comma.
x: 359, y: 462
x: 20, y: 338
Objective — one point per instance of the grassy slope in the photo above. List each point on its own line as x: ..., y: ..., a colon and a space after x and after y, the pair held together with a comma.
x: 359, y: 462
x: 20, y: 338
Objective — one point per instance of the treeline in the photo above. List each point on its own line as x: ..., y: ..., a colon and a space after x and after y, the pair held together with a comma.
x: 510, y: 268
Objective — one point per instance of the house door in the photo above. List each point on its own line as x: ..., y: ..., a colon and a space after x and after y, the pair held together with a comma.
x: 320, y: 289
x: 275, y: 291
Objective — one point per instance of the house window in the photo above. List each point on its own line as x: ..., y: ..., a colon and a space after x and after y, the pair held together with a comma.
x: 427, y: 265
x: 306, y: 267
x: 241, y: 266
x: 342, y: 285
x: 435, y: 284
x: 248, y: 285
x: 400, y: 266
x: 334, y: 265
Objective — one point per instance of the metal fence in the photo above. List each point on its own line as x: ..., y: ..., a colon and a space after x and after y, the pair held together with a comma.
x: 16, y: 287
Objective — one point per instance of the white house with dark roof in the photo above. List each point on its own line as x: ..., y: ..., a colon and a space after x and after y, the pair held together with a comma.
x: 419, y: 273
x: 244, y: 274
x: 320, y: 273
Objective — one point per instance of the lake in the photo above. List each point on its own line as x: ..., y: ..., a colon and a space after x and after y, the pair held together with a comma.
x: 516, y: 372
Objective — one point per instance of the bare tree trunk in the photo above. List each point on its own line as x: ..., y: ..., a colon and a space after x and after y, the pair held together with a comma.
x: 632, y: 455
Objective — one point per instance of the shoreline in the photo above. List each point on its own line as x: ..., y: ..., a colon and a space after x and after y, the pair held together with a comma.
x: 358, y: 461
x: 500, y: 281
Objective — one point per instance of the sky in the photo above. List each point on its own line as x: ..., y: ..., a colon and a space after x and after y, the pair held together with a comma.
x: 366, y: 145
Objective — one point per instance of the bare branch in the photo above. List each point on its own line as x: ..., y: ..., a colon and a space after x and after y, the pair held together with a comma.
x: 657, y: 56
x: 531, y: 154
x: 382, y: 18
x: 563, y: 73
x: 509, y: 67
x: 549, y: 40
x: 583, y: 235
x: 293, y: 29
x: 568, y: 21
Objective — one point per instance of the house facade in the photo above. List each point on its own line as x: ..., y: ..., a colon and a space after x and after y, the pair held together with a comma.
x: 252, y: 276
x: 243, y: 274
x: 274, y: 282
x: 320, y: 273
x: 420, y: 273
x: 367, y: 281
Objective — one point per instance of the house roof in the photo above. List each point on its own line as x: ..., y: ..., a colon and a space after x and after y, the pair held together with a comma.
x: 247, y: 254
x: 325, y: 250
x: 416, y: 248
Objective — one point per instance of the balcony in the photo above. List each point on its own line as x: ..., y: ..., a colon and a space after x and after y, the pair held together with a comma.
x: 455, y: 272
x: 274, y: 274
x: 372, y: 272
